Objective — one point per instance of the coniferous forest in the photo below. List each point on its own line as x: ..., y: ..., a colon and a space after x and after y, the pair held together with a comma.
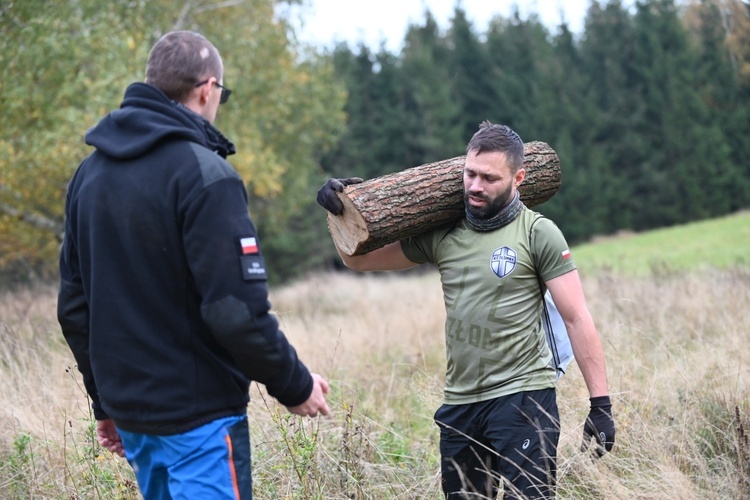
x: 648, y: 108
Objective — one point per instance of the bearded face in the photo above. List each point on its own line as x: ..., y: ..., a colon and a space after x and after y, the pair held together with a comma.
x: 491, y: 206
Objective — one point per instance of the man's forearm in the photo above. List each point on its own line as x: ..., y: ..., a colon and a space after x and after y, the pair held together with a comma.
x: 589, y: 354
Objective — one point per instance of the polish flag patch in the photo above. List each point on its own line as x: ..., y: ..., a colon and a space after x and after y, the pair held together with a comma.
x: 566, y: 254
x: 249, y: 245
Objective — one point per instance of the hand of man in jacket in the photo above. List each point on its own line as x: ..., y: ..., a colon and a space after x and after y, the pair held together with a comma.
x: 327, y: 197
x: 108, y: 437
x: 316, y: 403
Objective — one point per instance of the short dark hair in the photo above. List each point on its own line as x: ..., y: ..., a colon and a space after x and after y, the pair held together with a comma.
x: 179, y: 60
x: 492, y: 137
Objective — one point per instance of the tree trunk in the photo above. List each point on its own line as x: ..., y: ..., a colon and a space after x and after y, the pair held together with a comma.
x: 395, y: 206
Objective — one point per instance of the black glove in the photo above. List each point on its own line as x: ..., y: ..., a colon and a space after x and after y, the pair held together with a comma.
x: 600, y: 425
x: 327, y: 193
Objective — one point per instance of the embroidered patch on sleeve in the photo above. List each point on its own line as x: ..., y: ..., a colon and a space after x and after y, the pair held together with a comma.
x: 566, y: 254
x: 249, y: 245
x: 253, y: 267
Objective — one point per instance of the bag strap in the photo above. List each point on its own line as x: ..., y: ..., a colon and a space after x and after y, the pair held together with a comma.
x: 547, y: 322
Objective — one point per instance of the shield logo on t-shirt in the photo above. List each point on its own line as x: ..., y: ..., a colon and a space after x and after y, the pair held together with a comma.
x: 503, y: 261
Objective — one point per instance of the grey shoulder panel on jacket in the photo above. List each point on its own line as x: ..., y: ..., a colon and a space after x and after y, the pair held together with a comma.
x: 213, y: 167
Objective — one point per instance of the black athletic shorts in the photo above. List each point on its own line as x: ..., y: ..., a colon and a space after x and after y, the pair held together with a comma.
x: 513, y: 438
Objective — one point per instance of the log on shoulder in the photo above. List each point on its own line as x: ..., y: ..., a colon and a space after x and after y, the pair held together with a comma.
x: 395, y: 206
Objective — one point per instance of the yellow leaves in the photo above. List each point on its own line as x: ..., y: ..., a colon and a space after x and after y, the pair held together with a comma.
x: 35, y: 168
x: 261, y: 170
x: 71, y: 68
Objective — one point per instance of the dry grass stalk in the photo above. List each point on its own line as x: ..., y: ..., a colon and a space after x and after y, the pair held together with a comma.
x: 678, y: 351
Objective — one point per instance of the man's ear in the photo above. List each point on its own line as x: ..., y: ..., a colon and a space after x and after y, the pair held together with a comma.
x: 519, y: 176
x: 205, y: 91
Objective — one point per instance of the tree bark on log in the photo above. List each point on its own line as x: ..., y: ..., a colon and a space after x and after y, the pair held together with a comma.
x: 395, y: 206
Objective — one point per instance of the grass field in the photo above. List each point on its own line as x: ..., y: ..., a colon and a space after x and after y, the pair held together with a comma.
x: 701, y: 245
x: 678, y: 351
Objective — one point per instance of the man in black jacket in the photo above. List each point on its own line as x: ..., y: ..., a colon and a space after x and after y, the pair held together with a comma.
x: 163, y: 296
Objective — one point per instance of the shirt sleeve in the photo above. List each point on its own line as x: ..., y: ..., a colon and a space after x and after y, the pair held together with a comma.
x: 73, y: 313
x: 550, y: 250
x: 224, y: 254
x: 423, y: 248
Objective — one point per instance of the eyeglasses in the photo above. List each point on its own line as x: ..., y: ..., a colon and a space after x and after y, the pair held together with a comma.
x: 225, y: 92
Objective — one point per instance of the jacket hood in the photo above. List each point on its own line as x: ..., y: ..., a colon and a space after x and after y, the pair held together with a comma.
x: 146, y: 118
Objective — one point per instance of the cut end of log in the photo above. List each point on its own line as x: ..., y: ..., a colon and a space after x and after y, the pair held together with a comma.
x: 349, y: 229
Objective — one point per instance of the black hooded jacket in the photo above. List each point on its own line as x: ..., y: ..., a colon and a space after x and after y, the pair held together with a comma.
x: 163, y: 296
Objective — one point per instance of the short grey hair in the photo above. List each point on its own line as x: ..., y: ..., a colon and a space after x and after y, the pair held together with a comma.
x: 179, y: 60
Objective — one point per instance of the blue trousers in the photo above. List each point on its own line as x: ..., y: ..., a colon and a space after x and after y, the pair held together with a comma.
x: 511, y: 439
x: 211, y: 461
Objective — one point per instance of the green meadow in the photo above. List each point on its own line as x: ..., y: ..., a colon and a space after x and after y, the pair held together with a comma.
x: 715, y: 243
x: 670, y: 306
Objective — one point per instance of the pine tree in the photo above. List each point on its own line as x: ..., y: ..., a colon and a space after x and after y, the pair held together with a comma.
x: 471, y: 75
x: 521, y: 56
x: 433, y: 116
x: 615, y: 147
x: 686, y: 171
x: 711, y: 23
x: 350, y: 157
x: 582, y: 207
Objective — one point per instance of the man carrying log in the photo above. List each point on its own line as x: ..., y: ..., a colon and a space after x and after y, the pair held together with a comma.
x: 499, y: 418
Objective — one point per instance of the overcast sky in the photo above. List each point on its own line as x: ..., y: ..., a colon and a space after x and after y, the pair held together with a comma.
x: 325, y: 22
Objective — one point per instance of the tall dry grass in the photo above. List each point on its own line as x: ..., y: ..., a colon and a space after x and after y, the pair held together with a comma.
x: 678, y: 349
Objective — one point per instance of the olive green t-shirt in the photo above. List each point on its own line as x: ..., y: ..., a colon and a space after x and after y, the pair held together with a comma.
x: 495, y: 343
